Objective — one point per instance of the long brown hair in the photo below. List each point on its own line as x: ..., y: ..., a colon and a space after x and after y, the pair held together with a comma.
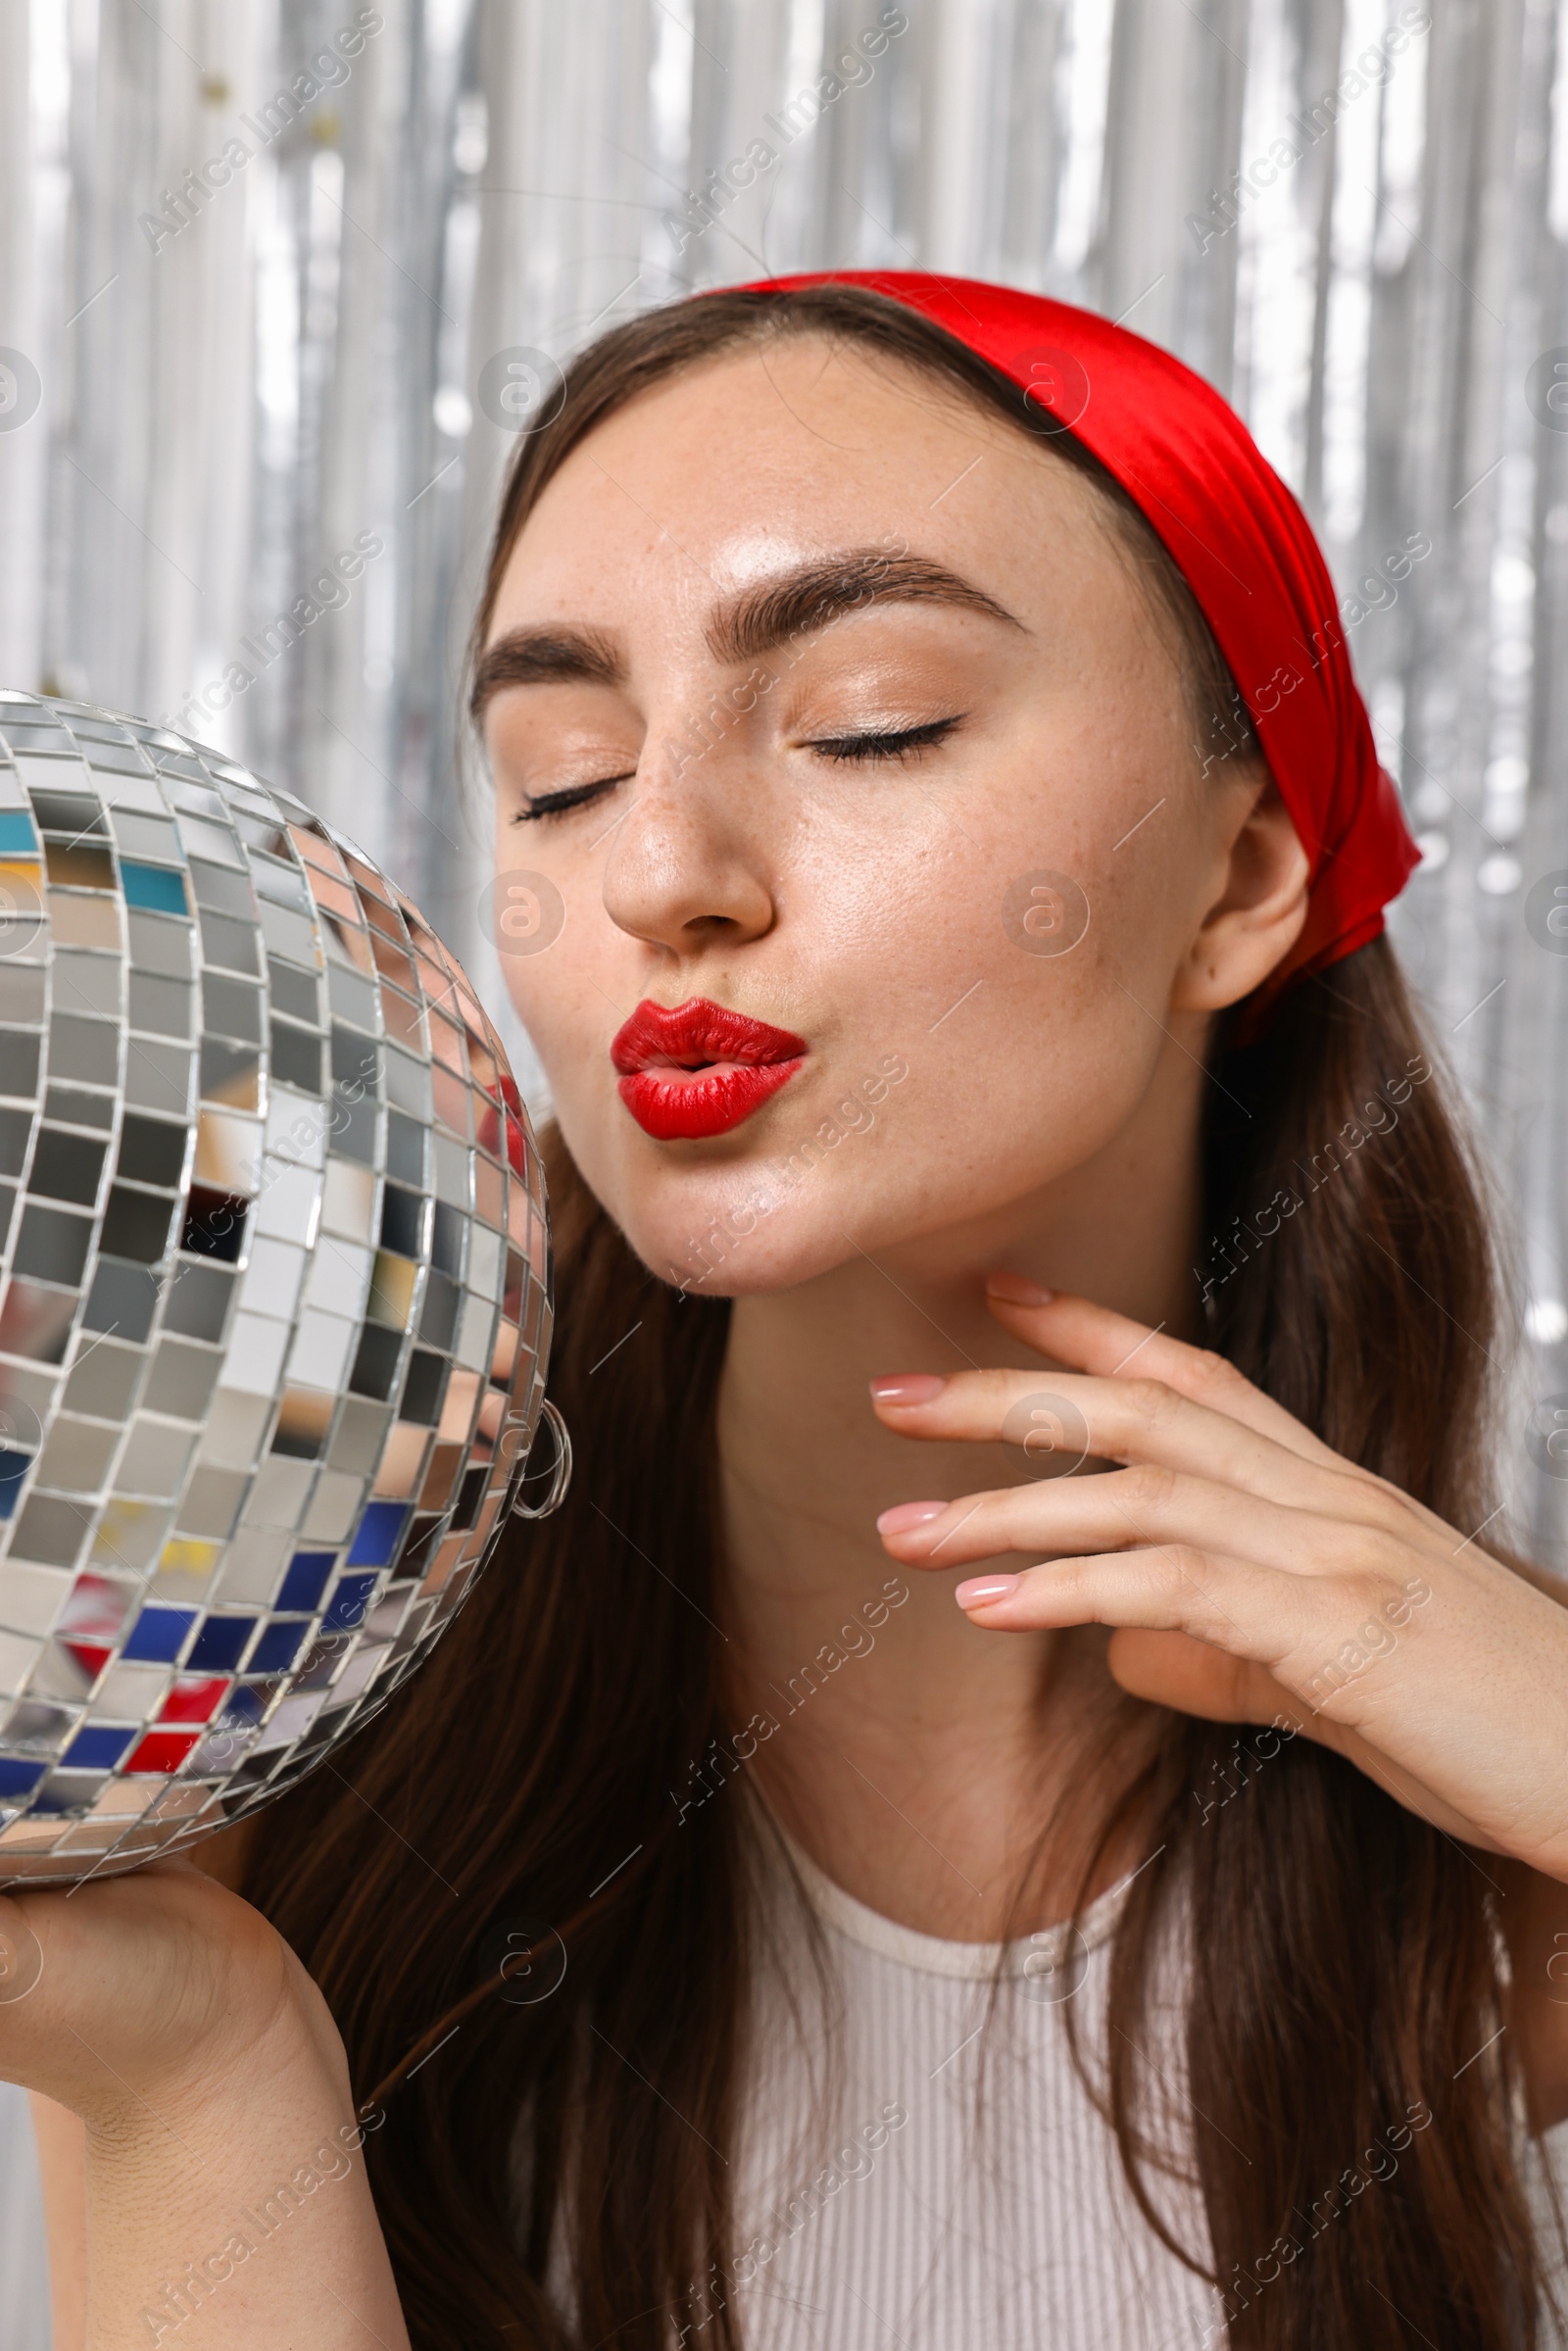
x: 517, y: 1797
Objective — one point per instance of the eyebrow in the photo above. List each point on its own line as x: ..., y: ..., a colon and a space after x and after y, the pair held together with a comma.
x: 815, y: 594
x: 545, y: 656
x: 741, y: 628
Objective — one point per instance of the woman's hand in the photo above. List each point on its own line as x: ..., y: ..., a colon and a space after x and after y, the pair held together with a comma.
x: 145, y: 1985
x: 1253, y: 1574
x: 226, y: 2197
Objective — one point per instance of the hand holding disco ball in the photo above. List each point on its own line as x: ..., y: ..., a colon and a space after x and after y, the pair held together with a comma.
x: 275, y: 1309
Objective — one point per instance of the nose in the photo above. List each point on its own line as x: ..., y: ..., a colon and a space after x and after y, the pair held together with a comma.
x: 687, y: 867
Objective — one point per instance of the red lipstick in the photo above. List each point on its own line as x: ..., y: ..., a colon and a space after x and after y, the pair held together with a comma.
x: 699, y: 1068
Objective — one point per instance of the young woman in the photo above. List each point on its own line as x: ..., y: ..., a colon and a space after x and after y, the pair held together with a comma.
x: 995, y: 1163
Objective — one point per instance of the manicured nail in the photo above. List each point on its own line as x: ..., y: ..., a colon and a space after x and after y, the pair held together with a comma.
x: 980, y: 1589
x: 904, y: 1515
x: 908, y: 1387
x: 1017, y: 1289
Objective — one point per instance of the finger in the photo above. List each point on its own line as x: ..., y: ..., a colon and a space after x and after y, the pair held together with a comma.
x: 1247, y: 1612
x: 1124, y: 1508
x: 1062, y: 1419
x: 21, y: 1955
x: 1093, y: 1338
x: 1308, y: 1630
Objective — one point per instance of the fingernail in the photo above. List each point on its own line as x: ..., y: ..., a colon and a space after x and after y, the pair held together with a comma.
x: 904, y: 1515
x: 1017, y: 1289
x: 981, y: 1588
x: 908, y: 1387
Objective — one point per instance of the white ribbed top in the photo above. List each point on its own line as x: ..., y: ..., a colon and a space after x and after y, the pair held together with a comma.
x: 995, y: 2213
x: 1001, y: 2222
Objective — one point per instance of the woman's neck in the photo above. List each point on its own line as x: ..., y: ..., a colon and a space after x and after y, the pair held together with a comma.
x: 915, y: 1756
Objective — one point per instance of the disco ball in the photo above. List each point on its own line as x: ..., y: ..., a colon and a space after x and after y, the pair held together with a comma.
x: 274, y: 1291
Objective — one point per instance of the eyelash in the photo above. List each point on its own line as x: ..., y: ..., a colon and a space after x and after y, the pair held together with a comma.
x: 556, y: 803
x: 907, y: 742
x: 845, y: 751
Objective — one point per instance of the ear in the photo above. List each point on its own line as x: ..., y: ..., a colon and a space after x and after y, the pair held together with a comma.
x: 1262, y: 906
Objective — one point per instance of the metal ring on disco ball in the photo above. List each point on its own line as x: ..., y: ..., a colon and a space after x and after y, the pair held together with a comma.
x: 274, y: 1291
x: 559, y: 1468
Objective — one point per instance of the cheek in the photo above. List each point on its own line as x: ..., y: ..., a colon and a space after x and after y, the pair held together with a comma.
x: 1007, y: 953
x: 1003, y: 954
x: 569, y: 1019
x: 1027, y: 1077
x: 547, y: 922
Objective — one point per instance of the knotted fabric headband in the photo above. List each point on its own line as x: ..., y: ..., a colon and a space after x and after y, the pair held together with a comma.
x: 1244, y: 547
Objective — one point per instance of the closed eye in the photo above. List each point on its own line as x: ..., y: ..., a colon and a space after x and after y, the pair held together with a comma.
x: 898, y: 744
x: 555, y: 804
x: 902, y: 743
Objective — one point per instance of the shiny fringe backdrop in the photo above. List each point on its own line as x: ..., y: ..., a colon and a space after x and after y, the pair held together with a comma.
x: 257, y: 255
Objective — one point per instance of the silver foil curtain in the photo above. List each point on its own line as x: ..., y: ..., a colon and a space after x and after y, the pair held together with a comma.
x: 279, y: 279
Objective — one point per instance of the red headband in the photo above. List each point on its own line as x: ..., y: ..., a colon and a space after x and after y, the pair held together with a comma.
x: 1244, y: 547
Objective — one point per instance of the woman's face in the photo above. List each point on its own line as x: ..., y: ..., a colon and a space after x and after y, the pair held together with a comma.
x: 816, y: 696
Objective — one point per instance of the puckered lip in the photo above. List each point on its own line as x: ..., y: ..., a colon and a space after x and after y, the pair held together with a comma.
x: 696, y: 1033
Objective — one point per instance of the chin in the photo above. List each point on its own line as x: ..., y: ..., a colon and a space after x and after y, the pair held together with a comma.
x: 724, y: 1250
x: 732, y: 1231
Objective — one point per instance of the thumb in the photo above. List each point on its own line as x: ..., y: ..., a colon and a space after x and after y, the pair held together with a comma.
x: 21, y: 1953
